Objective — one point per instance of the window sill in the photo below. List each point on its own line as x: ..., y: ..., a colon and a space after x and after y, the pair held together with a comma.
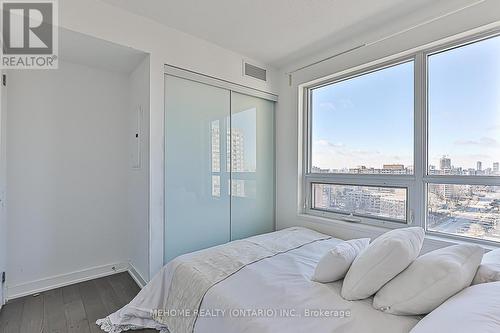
x: 451, y: 240
x: 433, y: 241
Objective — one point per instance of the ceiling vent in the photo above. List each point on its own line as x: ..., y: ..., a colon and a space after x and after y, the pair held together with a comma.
x: 254, y: 71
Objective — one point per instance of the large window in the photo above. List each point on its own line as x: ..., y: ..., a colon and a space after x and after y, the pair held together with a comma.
x: 463, y: 197
x: 357, y: 129
x: 413, y: 141
x: 361, y: 135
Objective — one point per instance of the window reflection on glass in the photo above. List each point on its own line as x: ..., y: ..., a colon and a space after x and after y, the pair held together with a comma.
x: 243, y: 152
x: 216, y: 186
x: 238, y: 188
x: 215, y: 157
x: 228, y: 145
x: 215, y: 136
x: 237, y: 150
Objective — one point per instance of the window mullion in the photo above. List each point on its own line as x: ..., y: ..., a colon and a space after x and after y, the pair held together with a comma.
x: 417, y: 202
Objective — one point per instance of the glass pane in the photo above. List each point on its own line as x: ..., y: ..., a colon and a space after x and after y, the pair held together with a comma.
x: 370, y: 201
x: 464, y: 110
x: 465, y: 210
x: 197, y: 204
x: 252, y: 166
x: 365, y: 124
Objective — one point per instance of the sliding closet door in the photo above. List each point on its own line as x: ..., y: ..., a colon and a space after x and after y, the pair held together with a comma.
x: 197, y: 202
x: 252, y: 166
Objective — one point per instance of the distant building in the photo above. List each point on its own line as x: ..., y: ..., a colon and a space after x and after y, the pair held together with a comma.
x: 447, y: 191
x: 479, y: 166
x: 322, y: 195
x: 471, y: 172
x: 495, y: 168
x: 392, y: 206
x: 316, y: 169
x: 445, y: 163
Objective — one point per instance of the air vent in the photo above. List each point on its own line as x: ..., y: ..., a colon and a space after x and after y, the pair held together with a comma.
x: 254, y: 71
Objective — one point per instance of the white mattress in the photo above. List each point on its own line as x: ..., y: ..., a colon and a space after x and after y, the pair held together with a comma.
x: 274, y: 295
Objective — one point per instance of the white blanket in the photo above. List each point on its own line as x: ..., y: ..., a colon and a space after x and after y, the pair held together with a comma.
x: 172, y: 299
x: 289, y: 302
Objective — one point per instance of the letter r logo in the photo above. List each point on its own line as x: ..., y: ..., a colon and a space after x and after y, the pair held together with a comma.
x: 27, y: 27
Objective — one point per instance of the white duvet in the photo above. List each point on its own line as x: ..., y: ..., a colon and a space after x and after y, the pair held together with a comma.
x: 260, y: 284
x: 172, y: 299
x: 277, y: 295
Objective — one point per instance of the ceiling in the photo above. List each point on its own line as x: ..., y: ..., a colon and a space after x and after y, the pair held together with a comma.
x: 277, y: 32
x: 86, y: 50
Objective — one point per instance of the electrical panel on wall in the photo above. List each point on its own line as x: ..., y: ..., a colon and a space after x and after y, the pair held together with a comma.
x: 137, y: 138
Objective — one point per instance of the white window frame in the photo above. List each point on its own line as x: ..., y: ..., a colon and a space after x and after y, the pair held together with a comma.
x: 417, y: 183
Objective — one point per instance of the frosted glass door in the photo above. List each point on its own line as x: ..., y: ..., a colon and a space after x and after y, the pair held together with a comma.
x: 252, y: 166
x: 197, y: 202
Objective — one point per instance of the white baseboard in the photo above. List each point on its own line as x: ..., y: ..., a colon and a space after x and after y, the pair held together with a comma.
x: 136, y: 276
x: 62, y: 280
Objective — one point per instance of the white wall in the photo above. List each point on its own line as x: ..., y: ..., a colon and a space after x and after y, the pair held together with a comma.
x: 166, y: 46
x: 287, y: 110
x: 138, y: 191
x: 70, y: 208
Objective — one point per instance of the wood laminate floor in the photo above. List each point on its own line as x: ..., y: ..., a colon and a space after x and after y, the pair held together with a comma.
x: 71, y: 309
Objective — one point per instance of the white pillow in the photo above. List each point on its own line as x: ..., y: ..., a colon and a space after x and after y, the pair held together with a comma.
x: 336, y: 262
x: 430, y: 280
x: 382, y: 260
x: 489, y: 270
x: 474, y: 309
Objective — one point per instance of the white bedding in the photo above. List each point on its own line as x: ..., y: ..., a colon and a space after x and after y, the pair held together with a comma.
x: 274, y: 294
x: 283, y: 282
x: 173, y: 297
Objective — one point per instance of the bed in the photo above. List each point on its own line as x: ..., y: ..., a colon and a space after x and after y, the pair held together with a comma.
x: 272, y: 292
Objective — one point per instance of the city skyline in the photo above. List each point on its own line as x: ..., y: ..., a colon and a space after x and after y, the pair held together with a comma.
x: 445, y: 165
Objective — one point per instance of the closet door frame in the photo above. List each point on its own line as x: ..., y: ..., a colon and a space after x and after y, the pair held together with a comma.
x: 170, y: 70
x: 212, y: 81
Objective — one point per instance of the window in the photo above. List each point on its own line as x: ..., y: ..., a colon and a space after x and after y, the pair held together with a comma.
x: 371, y: 201
x: 463, y: 193
x: 413, y: 141
x: 356, y: 130
x: 464, y: 210
x: 464, y: 110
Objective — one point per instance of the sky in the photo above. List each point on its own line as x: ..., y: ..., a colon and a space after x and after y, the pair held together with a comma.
x: 368, y: 120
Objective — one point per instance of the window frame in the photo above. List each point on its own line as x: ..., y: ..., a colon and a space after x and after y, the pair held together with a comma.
x: 399, y: 181
x: 416, y: 184
x: 449, y: 179
x: 354, y: 217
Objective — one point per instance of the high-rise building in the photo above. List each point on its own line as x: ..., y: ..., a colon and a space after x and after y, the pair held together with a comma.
x: 447, y: 191
x: 479, y: 166
x: 445, y: 163
x: 322, y: 196
x: 496, y: 167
